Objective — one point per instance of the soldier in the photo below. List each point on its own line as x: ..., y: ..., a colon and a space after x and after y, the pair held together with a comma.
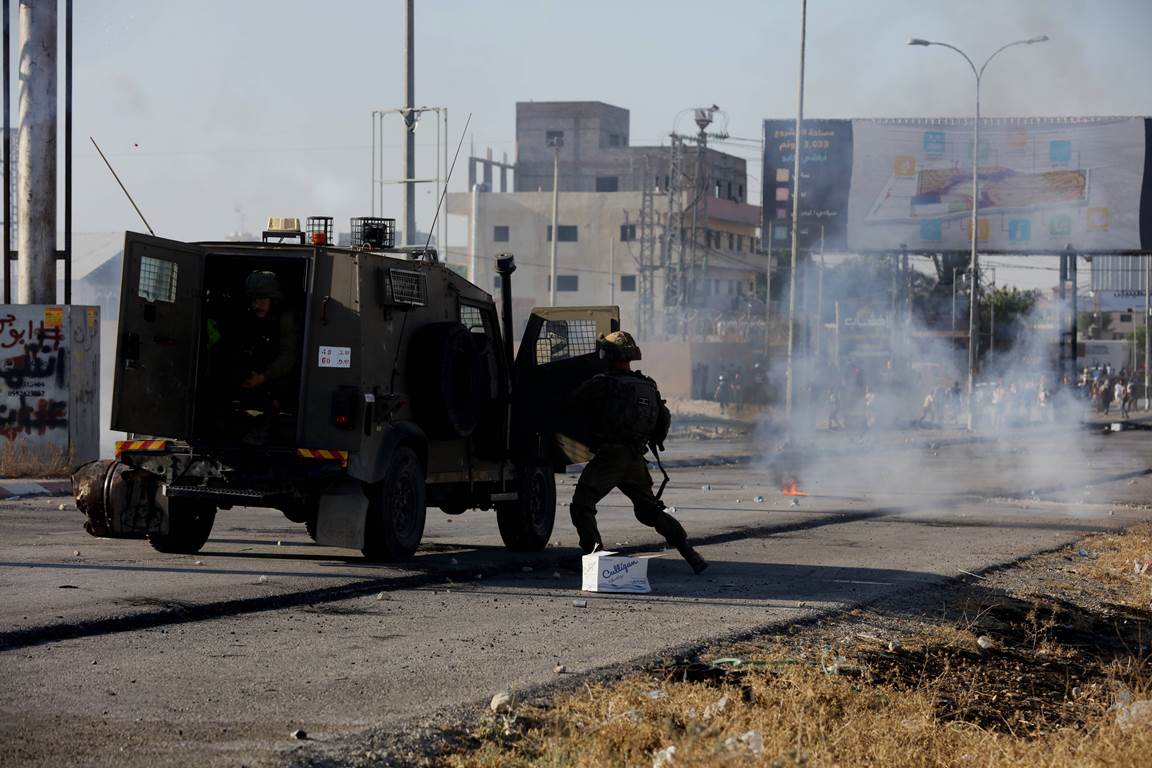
x: 623, y: 414
x: 267, y: 352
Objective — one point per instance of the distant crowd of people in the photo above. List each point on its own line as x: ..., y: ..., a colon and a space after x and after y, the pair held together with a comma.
x: 1106, y: 387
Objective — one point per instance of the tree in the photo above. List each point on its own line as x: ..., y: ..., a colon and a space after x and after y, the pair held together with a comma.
x: 1011, y: 308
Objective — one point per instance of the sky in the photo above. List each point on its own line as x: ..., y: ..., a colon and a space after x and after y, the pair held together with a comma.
x: 220, y: 113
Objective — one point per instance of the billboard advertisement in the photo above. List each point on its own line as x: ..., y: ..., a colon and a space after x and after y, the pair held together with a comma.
x: 1045, y: 184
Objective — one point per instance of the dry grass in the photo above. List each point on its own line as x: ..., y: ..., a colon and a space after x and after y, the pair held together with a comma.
x: 21, y: 460
x: 1117, y: 559
x: 1050, y: 695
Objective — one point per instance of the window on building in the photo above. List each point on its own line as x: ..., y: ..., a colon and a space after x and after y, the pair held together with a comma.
x: 716, y: 191
x: 781, y: 213
x: 628, y: 283
x: 500, y: 233
x: 729, y: 190
x: 552, y: 138
x: 1124, y: 318
x: 607, y: 184
x: 731, y: 241
x: 568, y: 233
x: 627, y: 233
x: 614, y: 140
x: 740, y: 195
x: 740, y: 243
x: 567, y: 282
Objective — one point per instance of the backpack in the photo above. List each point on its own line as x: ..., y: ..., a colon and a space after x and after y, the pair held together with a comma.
x: 634, y: 412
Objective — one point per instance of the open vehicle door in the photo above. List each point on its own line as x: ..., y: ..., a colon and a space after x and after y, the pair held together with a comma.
x: 156, y: 351
x: 557, y: 354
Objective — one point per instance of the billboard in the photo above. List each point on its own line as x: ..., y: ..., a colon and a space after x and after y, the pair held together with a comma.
x: 1044, y: 183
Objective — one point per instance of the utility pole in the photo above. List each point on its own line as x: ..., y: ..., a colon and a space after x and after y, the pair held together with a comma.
x: 410, y: 123
x: 556, y: 143
x: 789, y: 395
x: 1147, y: 339
x: 768, y: 289
x: 611, y: 270
x: 36, y: 154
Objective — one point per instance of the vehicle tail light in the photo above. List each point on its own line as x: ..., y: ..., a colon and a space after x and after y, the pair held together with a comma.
x: 344, y: 401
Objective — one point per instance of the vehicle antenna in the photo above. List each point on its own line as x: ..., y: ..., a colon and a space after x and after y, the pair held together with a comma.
x: 440, y: 202
x: 110, y: 168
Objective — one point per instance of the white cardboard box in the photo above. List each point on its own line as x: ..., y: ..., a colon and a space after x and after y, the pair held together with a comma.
x: 609, y: 572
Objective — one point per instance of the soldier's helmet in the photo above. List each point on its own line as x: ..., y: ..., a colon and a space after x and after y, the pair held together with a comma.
x: 618, y: 345
x: 262, y: 285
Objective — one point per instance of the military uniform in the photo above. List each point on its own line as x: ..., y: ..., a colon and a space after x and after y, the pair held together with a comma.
x: 622, y: 413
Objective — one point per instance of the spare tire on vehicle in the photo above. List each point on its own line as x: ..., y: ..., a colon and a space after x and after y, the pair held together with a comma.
x: 446, y: 380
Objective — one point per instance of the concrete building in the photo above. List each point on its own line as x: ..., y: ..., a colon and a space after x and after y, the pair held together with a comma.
x: 603, y: 181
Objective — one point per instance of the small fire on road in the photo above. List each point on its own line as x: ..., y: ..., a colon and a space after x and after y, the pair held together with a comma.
x: 791, y: 489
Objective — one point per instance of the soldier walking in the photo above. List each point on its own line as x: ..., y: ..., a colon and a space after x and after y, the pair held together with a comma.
x: 623, y: 415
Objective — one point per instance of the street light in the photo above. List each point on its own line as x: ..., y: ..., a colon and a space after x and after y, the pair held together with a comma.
x: 972, y: 316
x: 556, y: 141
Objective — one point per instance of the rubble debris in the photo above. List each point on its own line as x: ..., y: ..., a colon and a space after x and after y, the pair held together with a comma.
x: 579, y: 603
x: 753, y: 741
x: 501, y: 702
x: 560, y: 669
x: 716, y: 708
x: 664, y: 757
x: 1137, y: 714
x: 300, y: 734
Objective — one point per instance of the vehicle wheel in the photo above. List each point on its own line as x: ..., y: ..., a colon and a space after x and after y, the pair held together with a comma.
x: 455, y: 508
x: 526, y: 524
x: 189, y: 525
x: 396, y: 509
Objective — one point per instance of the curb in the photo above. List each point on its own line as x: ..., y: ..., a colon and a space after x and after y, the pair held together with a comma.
x: 12, y: 489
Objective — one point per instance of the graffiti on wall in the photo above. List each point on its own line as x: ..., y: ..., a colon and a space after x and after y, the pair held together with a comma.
x: 33, y: 374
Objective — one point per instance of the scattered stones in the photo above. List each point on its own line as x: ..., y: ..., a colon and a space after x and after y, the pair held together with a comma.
x: 1136, y: 714
x: 894, y: 645
x: 560, y: 669
x: 75, y: 553
x: 381, y: 596
x: 753, y: 741
x: 262, y: 580
x: 986, y: 643
x: 300, y: 734
x: 664, y: 757
x: 501, y: 702
x: 716, y: 708
x: 199, y: 562
x: 62, y: 507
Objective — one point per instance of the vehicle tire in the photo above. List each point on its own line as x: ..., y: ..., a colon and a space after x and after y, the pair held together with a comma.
x: 396, y: 509
x: 454, y: 508
x: 526, y: 524
x: 447, y: 380
x: 189, y: 525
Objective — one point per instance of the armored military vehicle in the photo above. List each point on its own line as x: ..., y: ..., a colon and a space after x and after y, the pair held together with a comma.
x: 403, y: 393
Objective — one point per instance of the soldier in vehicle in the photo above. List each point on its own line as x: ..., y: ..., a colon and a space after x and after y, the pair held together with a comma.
x: 624, y: 415
x: 267, y: 353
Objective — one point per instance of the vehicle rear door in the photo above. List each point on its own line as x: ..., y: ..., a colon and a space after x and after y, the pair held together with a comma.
x: 159, y: 337
x: 557, y: 353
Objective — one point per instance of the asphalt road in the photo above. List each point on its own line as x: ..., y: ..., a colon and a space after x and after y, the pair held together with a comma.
x: 112, y: 654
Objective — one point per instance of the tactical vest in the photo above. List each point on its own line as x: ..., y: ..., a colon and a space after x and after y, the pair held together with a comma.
x: 635, y: 410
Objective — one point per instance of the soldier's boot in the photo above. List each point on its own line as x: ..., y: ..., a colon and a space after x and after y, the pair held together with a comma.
x: 692, y: 557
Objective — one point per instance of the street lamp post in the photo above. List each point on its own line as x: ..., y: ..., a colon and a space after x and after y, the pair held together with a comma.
x: 556, y: 142
x: 974, y: 235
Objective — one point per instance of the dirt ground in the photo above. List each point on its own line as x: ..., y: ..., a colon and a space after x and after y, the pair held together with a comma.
x: 1042, y: 663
